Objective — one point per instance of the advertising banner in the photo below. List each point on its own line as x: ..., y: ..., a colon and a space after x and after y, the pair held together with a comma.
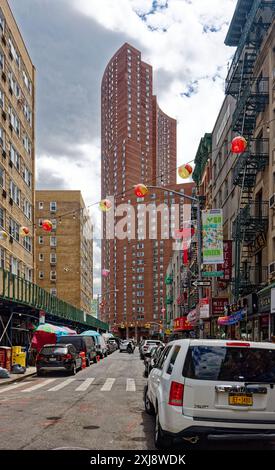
x: 182, y: 324
x: 218, y: 305
x: 226, y: 267
x: 204, y: 308
x: 231, y: 319
x: 192, y: 317
x: 212, y: 236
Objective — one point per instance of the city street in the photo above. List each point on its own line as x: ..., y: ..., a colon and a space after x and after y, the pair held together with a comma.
x: 100, y: 408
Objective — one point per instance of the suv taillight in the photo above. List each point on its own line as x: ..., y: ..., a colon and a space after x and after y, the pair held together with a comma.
x: 238, y: 343
x: 67, y: 356
x: 176, y: 394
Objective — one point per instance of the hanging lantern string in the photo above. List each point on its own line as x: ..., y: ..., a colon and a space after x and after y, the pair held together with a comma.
x: 130, y: 190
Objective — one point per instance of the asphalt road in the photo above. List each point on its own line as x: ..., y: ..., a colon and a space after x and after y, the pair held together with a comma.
x: 101, y: 408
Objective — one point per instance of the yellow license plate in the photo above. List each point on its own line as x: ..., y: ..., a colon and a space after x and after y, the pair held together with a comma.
x: 239, y: 399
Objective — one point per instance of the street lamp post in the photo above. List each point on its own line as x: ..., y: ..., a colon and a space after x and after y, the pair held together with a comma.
x: 199, y: 232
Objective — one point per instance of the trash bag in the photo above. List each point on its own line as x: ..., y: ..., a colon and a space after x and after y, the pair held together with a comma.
x: 4, y: 373
x: 17, y: 369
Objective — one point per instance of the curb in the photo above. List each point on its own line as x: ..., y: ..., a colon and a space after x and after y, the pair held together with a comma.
x: 17, y: 379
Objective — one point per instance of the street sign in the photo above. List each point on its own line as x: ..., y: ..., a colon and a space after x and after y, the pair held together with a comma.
x: 204, y: 283
x: 212, y: 273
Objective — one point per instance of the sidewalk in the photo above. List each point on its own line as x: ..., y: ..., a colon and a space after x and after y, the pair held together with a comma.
x: 18, y: 377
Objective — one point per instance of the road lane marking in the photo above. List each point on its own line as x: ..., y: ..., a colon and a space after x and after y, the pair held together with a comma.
x: 11, y: 387
x: 40, y: 385
x: 86, y: 384
x: 131, y: 386
x: 61, y: 385
x: 108, y: 385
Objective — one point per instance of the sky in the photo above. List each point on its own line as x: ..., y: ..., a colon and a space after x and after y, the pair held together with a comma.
x: 71, y: 42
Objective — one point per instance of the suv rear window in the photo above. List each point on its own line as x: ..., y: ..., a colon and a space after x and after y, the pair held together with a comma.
x: 232, y: 364
x: 54, y: 350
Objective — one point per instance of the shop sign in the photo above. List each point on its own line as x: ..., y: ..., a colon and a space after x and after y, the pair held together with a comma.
x: 204, y: 308
x: 192, y: 317
x: 259, y: 244
x: 226, y: 267
x: 41, y: 317
x: 212, y: 236
x: 264, y: 302
x: 273, y: 300
x: 182, y: 324
x: 218, y: 305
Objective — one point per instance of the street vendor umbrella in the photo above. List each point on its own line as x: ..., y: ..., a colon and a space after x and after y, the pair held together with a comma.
x: 57, y: 330
x: 90, y: 333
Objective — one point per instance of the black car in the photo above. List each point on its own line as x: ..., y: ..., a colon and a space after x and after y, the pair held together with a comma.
x: 82, y: 344
x: 58, y: 357
x: 151, y: 359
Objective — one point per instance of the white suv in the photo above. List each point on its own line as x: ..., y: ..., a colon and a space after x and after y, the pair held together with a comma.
x: 214, y: 389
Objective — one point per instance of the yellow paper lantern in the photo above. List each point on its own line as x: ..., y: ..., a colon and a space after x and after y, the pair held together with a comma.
x: 105, y: 205
x: 185, y: 171
x: 24, y: 231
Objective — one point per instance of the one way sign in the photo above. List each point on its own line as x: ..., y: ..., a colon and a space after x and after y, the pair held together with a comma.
x: 204, y: 283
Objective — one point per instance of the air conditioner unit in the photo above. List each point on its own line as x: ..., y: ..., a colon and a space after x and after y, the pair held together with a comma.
x: 272, y: 201
x: 271, y: 269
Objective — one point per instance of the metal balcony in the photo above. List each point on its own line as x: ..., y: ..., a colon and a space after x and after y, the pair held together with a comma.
x: 252, y: 101
x: 252, y: 278
x: 251, y: 162
x: 250, y: 221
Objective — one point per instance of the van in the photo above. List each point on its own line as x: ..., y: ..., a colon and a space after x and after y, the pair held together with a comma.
x: 100, y: 344
x: 81, y: 343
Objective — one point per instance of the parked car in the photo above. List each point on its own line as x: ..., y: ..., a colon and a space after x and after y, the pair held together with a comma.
x: 81, y: 343
x: 148, y: 343
x: 213, y: 389
x: 111, y: 345
x: 151, y: 358
x: 126, y: 345
x: 58, y: 357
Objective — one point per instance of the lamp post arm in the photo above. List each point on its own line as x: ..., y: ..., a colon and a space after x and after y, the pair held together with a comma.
x: 191, y: 198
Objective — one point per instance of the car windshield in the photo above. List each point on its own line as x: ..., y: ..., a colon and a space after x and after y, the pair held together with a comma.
x: 53, y: 350
x: 232, y: 364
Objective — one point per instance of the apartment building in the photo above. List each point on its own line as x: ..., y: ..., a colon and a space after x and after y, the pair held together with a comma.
x: 17, y: 149
x: 138, y: 146
x: 64, y: 256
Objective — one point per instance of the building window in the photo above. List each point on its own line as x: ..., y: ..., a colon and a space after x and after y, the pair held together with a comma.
x: 53, y: 258
x: 27, y: 243
x: 53, y: 291
x: 41, y: 207
x: 41, y: 257
x: 53, y: 206
x: 53, y: 275
x: 41, y: 275
x: 14, y: 193
x: 2, y: 217
x: 15, y: 158
x: 2, y: 177
x: 14, y: 266
x: 14, y: 230
x: 40, y: 240
x: 53, y: 241
x: 2, y: 258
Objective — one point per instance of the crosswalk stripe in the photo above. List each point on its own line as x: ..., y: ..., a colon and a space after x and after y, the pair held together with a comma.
x: 107, y: 385
x: 61, y: 385
x: 86, y: 384
x: 131, y: 385
x: 40, y: 385
x: 11, y: 387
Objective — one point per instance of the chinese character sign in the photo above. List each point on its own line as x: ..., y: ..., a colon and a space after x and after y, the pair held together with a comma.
x: 212, y: 236
x: 226, y: 267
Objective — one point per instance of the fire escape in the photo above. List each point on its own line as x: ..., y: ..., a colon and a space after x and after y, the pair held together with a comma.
x: 251, y: 94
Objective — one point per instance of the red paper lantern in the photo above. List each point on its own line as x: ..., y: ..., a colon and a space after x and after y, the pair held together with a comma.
x: 140, y: 190
x: 24, y: 231
x: 238, y: 144
x: 184, y: 171
x: 47, y: 225
x: 105, y: 272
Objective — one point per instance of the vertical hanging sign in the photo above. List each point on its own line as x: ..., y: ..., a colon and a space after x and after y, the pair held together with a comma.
x: 212, y: 236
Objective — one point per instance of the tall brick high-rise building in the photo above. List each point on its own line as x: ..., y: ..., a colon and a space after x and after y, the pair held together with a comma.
x: 138, y: 142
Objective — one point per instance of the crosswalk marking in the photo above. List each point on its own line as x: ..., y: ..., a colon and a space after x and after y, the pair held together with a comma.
x: 11, y: 387
x: 40, y: 385
x: 61, y: 385
x: 86, y: 384
x: 108, y: 385
x: 131, y: 385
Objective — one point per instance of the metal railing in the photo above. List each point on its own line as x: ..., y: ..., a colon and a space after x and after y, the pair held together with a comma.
x: 252, y: 278
x: 24, y: 292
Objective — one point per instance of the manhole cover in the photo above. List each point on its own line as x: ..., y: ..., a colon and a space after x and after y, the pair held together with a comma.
x: 91, y: 427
